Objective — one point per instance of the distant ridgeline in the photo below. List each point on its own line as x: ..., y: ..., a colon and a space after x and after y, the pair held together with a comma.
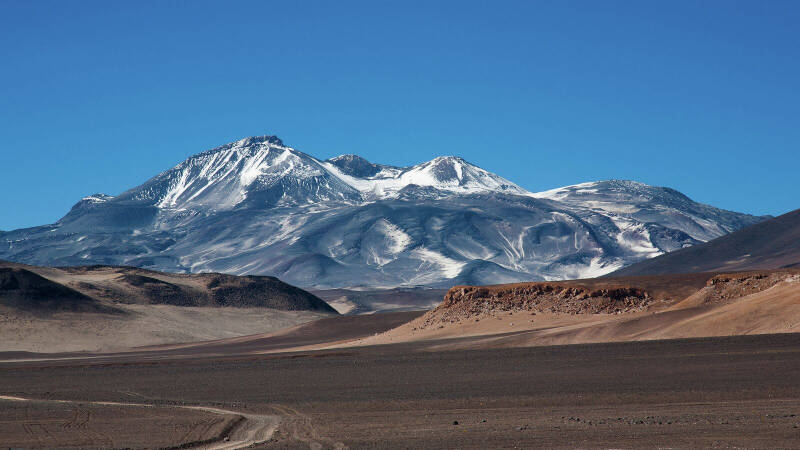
x: 256, y: 206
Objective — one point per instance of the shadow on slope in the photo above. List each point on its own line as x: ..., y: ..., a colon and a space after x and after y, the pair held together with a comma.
x: 772, y: 244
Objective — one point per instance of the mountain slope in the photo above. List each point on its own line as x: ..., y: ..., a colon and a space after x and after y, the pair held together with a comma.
x: 650, y: 205
x: 253, y: 172
x: 107, y: 285
x: 26, y: 290
x: 445, y: 174
x: 256, y: 206
x: 771, y: 244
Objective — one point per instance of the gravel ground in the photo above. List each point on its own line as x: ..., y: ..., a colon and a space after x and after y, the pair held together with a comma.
x: 737, y: 391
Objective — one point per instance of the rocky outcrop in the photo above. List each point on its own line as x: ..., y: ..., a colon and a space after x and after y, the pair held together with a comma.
x: 725, y: 288
x: 603, y: 296
x: 464, y: 302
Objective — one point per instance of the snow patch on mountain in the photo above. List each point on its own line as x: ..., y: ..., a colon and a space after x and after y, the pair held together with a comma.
x: 254, y: 172
x: 447, y: 174
x: 257, y: 206
x: 434, y: 266
x: 383, y: 242
x: 626, y: 200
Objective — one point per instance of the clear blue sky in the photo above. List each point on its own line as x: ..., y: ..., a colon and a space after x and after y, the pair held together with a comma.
x: 701, y: 96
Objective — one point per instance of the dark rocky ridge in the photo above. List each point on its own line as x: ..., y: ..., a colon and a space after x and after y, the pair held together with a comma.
x: 93, y: 287
x: 356, y: 166
x: 25, y: 290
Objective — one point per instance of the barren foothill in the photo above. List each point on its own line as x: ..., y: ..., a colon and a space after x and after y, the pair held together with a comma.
x: 105, y: 308
x: 609, y: 310
x: 487, y: 368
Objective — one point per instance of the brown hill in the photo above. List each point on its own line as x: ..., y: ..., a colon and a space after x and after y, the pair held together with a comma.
x: 131, y: 285
x: 47, y: 309
x: 609, y: 309
x: 28, y: 291
x: 772, y: 244
x: 590, y: 296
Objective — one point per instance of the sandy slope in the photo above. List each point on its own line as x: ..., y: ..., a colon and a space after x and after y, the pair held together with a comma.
x: 103, y: 308
x: 764, y: 308
x: 143, y: 325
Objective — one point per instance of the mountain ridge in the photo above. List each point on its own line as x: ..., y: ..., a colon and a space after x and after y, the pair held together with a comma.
x: 257, y: 206
x: 771, y: 244
x: 108, y: 286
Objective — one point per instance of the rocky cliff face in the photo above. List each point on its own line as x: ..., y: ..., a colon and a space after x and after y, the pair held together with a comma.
x: 466, y: 302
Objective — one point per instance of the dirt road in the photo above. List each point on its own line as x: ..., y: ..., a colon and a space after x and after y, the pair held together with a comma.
x: 737, y: 391
x: 244, y: 430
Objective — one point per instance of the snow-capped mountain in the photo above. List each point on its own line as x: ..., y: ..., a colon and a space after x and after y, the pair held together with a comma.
x: 446, y: 175
x: 256, y: 206
x: 624, y: 200
x: 258, y: 172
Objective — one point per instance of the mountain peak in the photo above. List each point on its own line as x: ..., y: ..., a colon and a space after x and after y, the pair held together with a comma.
x: 99, y: 197
x: 268, y: 139
x: 453, y: 173
x: 448, y: 159
x: 348, y: 157
x: 356, y: 166
x: 440, y: 177
x: 92, y: 200
x: 256, y: 206
x: 626, y: 200
x: 254, y: 172
x: 613, y: 190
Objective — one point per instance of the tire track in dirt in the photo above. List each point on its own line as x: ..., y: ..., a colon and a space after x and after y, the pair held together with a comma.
x: 301, y: 428
x: 252, y: 430
x: 80, y: 422
x: 255, y: 429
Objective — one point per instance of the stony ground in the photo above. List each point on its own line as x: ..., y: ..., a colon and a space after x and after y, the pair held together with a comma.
x: 727, y: 392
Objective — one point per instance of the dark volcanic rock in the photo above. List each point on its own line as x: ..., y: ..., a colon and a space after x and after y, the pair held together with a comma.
x: 100, y: 287
x: 270, y: 292
x: 25, y: 290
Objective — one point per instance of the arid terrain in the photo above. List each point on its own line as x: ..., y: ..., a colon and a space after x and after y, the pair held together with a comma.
x: 478, y: 371
x: 678, y: 360
x: 719, y: 392
x: 365, y: 301
x: 610, y: 309
x: 102, y: 308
